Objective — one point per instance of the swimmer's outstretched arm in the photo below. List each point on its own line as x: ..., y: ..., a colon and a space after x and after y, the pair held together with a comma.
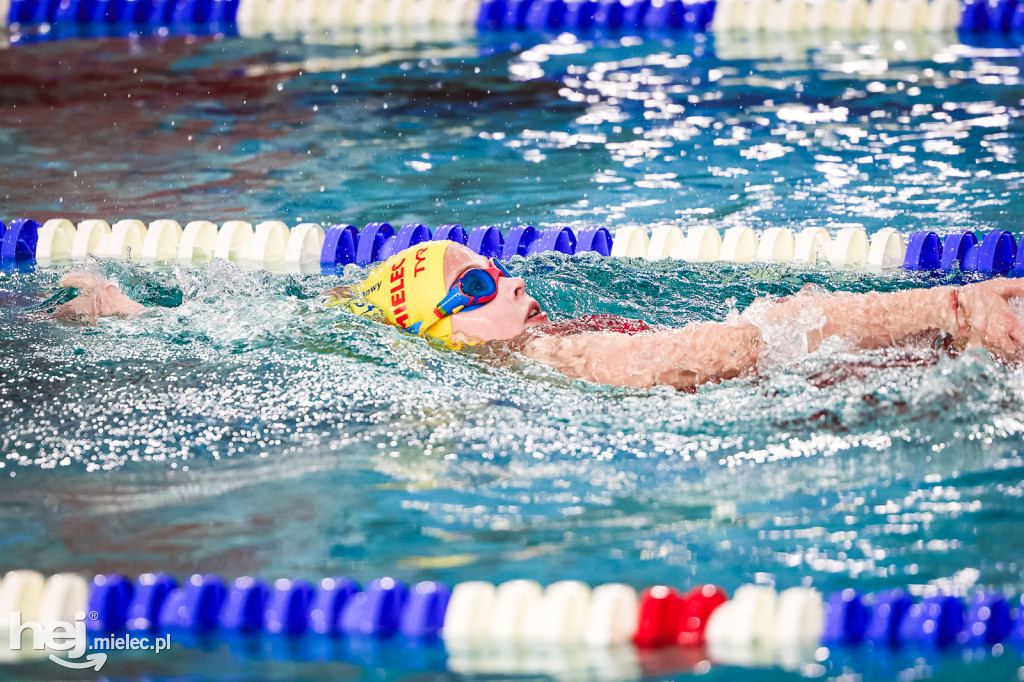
x: 975, y: 316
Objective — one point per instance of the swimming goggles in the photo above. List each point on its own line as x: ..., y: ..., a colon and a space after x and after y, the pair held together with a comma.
x: 476, y: 287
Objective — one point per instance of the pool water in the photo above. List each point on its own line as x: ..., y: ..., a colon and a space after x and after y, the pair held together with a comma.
x: 245, y: 431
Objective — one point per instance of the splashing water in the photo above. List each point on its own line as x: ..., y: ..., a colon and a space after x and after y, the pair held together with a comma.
x: 248, y: 431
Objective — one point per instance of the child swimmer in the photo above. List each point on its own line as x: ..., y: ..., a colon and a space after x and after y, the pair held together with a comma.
x: 447, y: 292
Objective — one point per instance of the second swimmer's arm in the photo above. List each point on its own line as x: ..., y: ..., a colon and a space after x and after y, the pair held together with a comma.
x: 96, y: 298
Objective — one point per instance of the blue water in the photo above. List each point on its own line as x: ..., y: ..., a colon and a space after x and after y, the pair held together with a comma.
x: 248, y: 432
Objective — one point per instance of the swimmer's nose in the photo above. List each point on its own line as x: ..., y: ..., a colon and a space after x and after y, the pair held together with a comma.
x: 519, y: 285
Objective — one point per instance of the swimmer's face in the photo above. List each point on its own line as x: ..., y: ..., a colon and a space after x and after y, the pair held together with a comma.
x: 510, y: 313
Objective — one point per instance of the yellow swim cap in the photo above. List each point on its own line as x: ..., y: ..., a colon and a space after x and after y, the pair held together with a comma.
x: 406, y: 289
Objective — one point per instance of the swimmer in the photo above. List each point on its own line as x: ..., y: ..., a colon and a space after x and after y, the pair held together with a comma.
x: 447, y: 292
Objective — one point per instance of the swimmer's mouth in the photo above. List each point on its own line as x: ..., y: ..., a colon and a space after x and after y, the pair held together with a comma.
x: 536, y: 314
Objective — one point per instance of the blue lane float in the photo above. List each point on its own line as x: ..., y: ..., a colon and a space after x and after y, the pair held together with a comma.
x: 19, y: 241
x: 924, y: 252
x: 846, y: 618
x: 151, y: 590
x: 954, y: 249
x: 244, y: 605
x: 582, y: 15
x: 668, y: 14
x: 371, y: 239
x: 597, y: 239
x: 408, y: 235
x: 331, y: 596
x: 994, y: 255
x: 887, y: 613
x: 592, y: 15
x: 486, y: 240
x: 195, y: 606
x: 519, y: 240
x: 989, y: 620
x: 935, y: 621
x: 223, y: 12
x: 558, y: 239
x: 109, y: 598
x: 1017, y: 18
x: 424, y: 611
x: 454, y: 233
x: 376, y: 611
x: 340, y: 246
x: 287, y: 610
x: 545, y: 15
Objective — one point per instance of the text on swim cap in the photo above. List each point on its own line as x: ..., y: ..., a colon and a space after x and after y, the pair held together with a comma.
x: 398, y: 293
x: 419, y: 262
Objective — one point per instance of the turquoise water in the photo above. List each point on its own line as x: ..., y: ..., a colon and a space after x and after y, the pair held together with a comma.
x: 248, y: 432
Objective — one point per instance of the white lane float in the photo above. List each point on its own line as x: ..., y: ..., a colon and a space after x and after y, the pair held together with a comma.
x: 470, y: 613
x: 701, y: 245
x: 305, y: 242
x: 232, y: 239
x: 55, y: 240
x: 799, y: 617
x: 851, y: 17
x: 162, y: 241
x: 63, y: 597
x: 739, y: 245
x: 267, y: 246
x: 777, y: 245
x: 819, y: 14
x: 20, y: 592
x: 943, y: 15
x: 849, y: 249
x: 728, y: 16
x: 612, y: 617
x: 663, y: 240
x: 811, y: 244
x: 630, y: 242
x: 513, y: 600
x: 89, y: 238
x: 747, y: 618
x: 560, y: 616
x: 878, y: 16
x: 198, y: 242
x: 755, y: 14
x: 887, y: 250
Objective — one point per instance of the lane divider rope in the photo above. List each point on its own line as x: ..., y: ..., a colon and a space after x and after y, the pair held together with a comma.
x: 272, y: 244
x: 479, y: 614
x: 580, y: 16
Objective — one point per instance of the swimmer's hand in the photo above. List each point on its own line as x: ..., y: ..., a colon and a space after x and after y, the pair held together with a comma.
x: 986, y: 320
x: 96, y: 298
